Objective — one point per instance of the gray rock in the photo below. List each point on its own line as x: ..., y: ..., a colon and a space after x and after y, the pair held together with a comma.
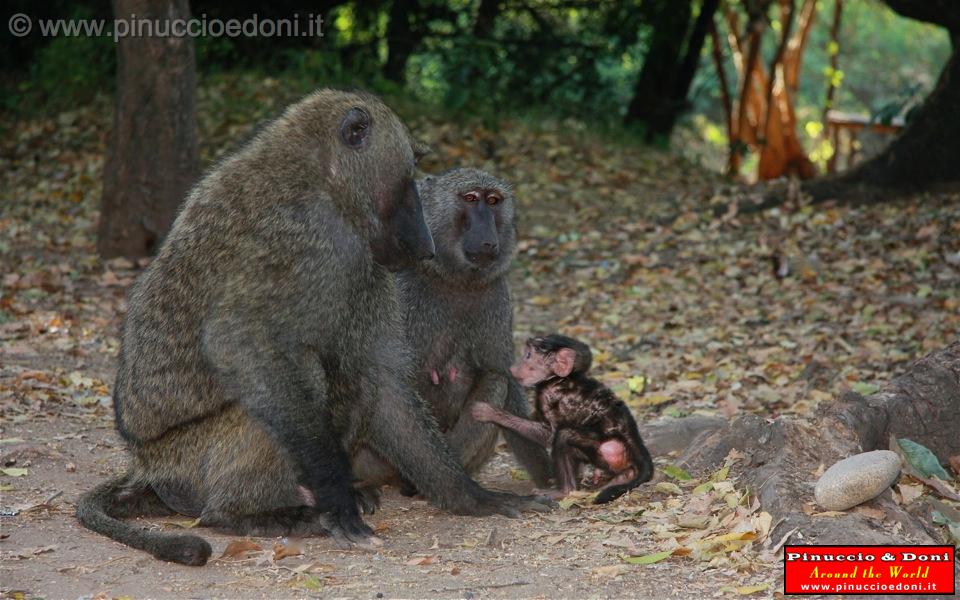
x: 856, y: 479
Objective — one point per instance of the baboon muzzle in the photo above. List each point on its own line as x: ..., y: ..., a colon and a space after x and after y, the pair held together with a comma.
x: 414, y: 235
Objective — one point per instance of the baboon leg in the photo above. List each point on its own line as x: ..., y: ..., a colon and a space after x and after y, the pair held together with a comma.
x: 566, y: 458
x: 285, y: 394
x: 252, y: 487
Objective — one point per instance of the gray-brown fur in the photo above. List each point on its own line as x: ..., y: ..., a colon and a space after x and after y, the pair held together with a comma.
x: 263, y: 345
x: 458, y: 320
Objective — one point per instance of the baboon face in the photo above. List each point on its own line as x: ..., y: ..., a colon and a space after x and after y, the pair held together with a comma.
x: 371, y: 168
x: 471, y: 216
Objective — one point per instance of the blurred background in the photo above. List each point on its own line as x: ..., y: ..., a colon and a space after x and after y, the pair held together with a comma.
x: 659, y: 71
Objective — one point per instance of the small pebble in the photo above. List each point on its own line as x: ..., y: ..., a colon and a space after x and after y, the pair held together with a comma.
x: 856, y: 479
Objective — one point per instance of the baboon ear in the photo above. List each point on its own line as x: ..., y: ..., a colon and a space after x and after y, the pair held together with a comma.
x: 420, y: 150
x: 563, y: 362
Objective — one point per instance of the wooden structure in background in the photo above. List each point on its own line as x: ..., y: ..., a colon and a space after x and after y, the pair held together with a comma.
x: 842, y: 129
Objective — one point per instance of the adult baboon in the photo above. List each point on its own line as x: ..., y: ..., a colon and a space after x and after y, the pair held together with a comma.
x: 458, y: 320
x: 263, y: 345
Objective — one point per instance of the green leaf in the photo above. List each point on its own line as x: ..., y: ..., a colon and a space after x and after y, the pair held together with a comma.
x: 637, y: 384
x: 954, y: 529
x: 865, y: 389
x: 310, y: 582
x: 519, y: 475
x: 675, y: 472
x: 703, y: 488
x: 668, y: 487
x: 649, y: 559
x: 14, y: 471
x: 921, y: 459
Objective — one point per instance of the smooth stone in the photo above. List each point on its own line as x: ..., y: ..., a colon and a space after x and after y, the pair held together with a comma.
x: 856, y: 479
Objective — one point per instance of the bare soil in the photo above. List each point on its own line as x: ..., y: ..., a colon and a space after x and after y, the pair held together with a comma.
x: 46, y: 553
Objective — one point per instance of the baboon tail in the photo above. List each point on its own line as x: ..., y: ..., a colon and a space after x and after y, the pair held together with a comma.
x: 99, y: 508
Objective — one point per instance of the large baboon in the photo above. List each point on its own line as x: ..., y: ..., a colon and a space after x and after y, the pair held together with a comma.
x: 458, y: 320
x: 263, y: 345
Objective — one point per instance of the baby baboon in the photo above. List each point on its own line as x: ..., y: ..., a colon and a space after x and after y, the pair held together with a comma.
x: 459, y: 320
x: 578, y: 417
x: 263, y: 346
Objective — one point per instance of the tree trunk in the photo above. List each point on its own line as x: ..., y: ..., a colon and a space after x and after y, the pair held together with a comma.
x: 400, y: 40
x: 781, y: 456
x: 152, y: 157
x: 486, y: 18
x: 690, y: 63
x: 653, y: 104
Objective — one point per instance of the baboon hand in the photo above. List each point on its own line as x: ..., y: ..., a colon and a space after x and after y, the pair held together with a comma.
x: 482, y: 412
x: 348, y: 529
x: 487, y: 502
x: 368, y: 499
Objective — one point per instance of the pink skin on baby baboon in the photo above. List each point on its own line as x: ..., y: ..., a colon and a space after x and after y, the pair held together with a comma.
x: 614, y: 453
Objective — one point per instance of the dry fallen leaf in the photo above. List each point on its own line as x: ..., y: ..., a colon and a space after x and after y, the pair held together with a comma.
x: 611, y: 570
x: 30, y: 552
x: 909, y: 492
x: 287, y: 547
x: 421, y: 561
x: 240, y: 549
x: 182, y: 523
x: 869, y: 511
x: 954, y: 462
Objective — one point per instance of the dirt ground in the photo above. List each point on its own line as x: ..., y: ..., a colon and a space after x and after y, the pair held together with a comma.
x: 46, y: 554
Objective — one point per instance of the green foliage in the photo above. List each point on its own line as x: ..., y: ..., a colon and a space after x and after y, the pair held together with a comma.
x: 540, y: 61
x: 922, y: 459
x: 66, y: 72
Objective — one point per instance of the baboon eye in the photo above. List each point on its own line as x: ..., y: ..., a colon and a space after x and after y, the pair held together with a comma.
x: 471, y: 196
x: 355, y: 128
x: 492, y: 199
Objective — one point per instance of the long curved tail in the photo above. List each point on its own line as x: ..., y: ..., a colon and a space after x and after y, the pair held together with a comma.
x: 99, y: 508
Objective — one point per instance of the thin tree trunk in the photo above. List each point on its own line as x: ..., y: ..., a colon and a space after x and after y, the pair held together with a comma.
x: 152, y: 157
x: 653, y: 104
x: 486, y: 18
x: 689, y: 65
x: 401, y: 41
x: 722, y: 78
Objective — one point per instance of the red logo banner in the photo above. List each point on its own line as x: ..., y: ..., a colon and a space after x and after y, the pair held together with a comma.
x: 869, y: 570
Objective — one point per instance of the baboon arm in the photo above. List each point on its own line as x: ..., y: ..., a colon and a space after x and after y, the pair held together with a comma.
x: 534, y: 431
x: 403, y: 432
x: 531, y: 454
